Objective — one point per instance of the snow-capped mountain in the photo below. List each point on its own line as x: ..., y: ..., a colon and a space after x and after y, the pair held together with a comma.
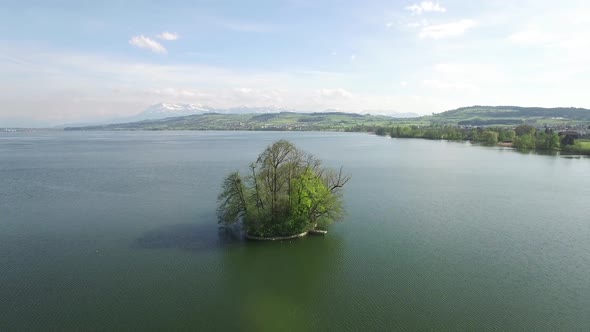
x: 167, y: 110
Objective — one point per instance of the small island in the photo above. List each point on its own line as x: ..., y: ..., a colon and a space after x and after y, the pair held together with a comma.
x: 288, y: 194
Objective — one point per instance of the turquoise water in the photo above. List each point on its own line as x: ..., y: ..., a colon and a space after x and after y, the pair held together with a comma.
x: 117, y: 231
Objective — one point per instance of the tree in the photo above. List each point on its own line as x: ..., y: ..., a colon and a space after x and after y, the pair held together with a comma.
x: 524, y: 130
x: 232, y: 199
x: 526, y: 141
x: 380, y: 131
x: 487, y: 137
x: 567, y: 139
x: 547, y: 140
x: 287, y: 192
x: 509, y: 135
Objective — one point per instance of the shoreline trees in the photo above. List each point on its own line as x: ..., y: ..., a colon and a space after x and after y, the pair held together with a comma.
x: 522, y: 137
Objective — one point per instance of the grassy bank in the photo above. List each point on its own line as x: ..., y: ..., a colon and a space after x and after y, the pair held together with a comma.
x: 581, y: 146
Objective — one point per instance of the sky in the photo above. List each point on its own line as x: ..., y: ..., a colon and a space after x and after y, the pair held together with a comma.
x: 84, y: 61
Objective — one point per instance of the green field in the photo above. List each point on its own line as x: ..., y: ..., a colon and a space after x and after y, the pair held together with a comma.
x: 513, y: 116
x: 581, y: 146
x: 475, y: 116
x: 287, y: 121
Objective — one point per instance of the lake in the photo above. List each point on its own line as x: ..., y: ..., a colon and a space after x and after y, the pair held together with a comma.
x: 117, y: 231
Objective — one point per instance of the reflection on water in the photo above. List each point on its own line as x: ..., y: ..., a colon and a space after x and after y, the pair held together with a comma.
x: 196, y: 237
x: 279, y: 286
x: 117, y: 231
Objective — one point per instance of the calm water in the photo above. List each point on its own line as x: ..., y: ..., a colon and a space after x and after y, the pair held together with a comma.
x: 117, y: 231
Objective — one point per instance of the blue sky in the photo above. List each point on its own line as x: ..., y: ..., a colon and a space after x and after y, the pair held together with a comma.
x: 75, y: 61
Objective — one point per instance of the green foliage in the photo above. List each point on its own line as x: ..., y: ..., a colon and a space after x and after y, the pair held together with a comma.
x: 525, y: 130
x: 523, y: 136
x: 232, y: 200
x: 428, y: 132
x: 453, y: 134
x: 314, y: 200
x: 579, y: 146
x: 509, y: 135
x: 526, y: 141
x: 532, y: 139
x: 547, y: 141
x: 487, y: 137
x: 288, y: 192
x: 380, y: 131
x: 567, y: 139
x: 512, y: 115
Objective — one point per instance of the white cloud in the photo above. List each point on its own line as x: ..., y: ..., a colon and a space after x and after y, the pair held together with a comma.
x: 447, y: 30
x: 167, y: 36
x: 418, y: 24
x: 147, y: 43
x: 256, y: 97
x: 426, y: 6
x: 557, y: 41
x: 542, y: 45
x: 335, y: 93
x: 82, y: 87
x: 178, y: 92
x: 464, y: 77
x: 531, y: 36
x: 244, y: 91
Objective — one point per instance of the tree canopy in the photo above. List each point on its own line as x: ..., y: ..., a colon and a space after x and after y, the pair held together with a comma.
x: 287, y: 192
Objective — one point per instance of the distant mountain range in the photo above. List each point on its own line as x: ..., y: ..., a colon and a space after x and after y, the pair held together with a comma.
x: 170, y: 110
x: 252, y: 121
x: 166, y: 110
x: 198, y: 117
